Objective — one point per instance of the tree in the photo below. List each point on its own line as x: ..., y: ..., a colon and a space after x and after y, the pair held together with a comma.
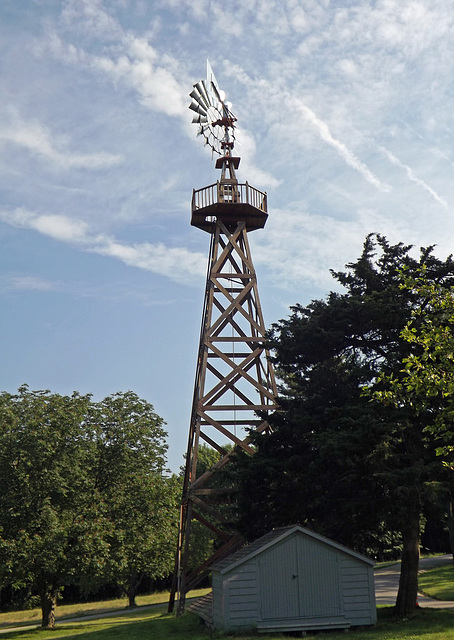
x: 426, y: 382
x: 138, y: 499
x: 43, y: 480
x: 83, y: 494
x: 341, y: 462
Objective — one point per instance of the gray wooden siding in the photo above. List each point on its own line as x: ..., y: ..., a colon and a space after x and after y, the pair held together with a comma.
x: 319, y: 579
x: 279, y: 597
x: 218, y: 601
x: 240, y: 597
x: 358, y: 591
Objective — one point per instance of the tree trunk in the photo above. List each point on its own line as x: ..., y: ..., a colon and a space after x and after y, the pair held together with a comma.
x: 133, y: 585
x: 451, y: 526
x: 48, y: 606
x: 451, y: 512
x: 132, y: 598
x: 407, y: 595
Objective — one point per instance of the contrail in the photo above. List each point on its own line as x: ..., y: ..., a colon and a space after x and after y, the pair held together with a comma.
x: 340, y: 147
x: 431, y: 147
x: 414, y: 178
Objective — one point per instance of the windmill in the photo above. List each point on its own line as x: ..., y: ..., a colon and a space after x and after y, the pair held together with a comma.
x: 234, y: 388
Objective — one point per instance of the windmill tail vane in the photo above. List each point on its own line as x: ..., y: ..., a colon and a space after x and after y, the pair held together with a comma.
x: 216, y: 121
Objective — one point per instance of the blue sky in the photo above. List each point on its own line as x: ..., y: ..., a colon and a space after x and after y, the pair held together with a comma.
x: 345, y: 117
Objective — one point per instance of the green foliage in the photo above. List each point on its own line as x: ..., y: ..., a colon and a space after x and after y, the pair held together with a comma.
x: 426, y: 381
x: 42, y: 482
x: 137, y: 500
x: 83, y: 496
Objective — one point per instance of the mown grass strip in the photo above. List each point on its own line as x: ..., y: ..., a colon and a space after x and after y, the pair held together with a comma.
x: 438, y: 583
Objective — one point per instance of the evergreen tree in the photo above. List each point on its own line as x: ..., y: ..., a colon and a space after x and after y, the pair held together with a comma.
x: 337, y: 460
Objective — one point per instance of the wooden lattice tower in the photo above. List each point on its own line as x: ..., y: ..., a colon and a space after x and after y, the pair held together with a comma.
x: 234, y: 389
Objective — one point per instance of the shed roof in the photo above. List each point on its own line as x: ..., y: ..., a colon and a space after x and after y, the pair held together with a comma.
x: 273, y: 537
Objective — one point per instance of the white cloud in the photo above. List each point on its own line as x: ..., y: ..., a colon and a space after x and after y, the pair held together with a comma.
x: 158, y: 88
x: 131, y: 60
x: 60, y: 228
x: 331, y: 83
x: 178, y: 264
x: 160, y: 80
x: 283, y: 108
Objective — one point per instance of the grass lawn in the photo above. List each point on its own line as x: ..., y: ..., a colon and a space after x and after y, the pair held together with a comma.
x: 33, y: 616
x: 438, y: 583
x: 157, y: 624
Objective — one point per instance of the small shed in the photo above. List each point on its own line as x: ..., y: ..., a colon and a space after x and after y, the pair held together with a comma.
x: 293, y: 579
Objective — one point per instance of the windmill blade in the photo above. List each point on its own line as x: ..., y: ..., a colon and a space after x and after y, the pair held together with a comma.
x: 199, y: 94
x: 195, y: 95
x: 201, y: 99
x: 199, y: 119
x: 198, y: 108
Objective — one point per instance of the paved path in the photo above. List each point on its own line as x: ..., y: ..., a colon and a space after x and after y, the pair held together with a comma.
x: 387, y: 583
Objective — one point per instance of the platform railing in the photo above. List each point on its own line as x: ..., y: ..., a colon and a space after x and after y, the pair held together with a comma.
x: 229, y: 193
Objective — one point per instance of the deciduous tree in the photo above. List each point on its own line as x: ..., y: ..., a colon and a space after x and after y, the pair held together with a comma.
x: 84, y: 495
x: 139, y: 499
x: 44, y: 458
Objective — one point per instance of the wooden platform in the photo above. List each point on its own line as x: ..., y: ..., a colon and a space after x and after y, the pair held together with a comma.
x: 230, y: 202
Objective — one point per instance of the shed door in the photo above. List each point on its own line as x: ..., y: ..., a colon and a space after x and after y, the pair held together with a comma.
x: 299, y: 578
x: 319, y: 579
x: 279, y: 593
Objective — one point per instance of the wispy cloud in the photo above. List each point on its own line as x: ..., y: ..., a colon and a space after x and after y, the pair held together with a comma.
x: 89, y: 16
x: 176, y: 263
x: 19, y: 283
x: 39, y: 141
x: 274, y: 99
x: 25, y: 283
